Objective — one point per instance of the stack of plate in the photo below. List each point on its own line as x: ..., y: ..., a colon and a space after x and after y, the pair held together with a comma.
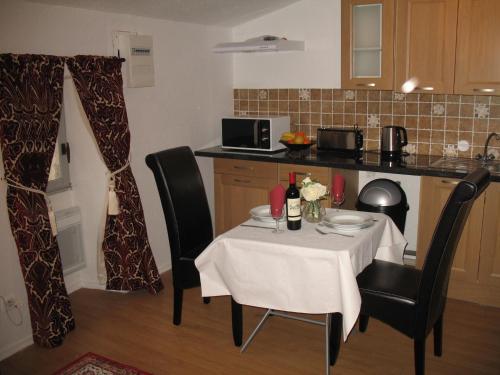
x: 348, y: 221
x: 263, y: 213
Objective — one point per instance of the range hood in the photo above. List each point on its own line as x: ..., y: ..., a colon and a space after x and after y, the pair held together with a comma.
x: 264, y: 43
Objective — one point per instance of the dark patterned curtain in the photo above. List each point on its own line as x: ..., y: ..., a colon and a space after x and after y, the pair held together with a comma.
x: 128, y: 258
x: 30, y: 107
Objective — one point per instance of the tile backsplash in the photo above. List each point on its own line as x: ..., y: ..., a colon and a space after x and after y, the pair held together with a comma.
x: 435, y: 122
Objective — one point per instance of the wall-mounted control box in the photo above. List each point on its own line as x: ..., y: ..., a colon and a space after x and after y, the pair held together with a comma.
x: 138, y: 53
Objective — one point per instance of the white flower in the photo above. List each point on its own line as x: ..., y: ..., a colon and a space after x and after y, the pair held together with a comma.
x: 306, y: 181
x: 311, y: 190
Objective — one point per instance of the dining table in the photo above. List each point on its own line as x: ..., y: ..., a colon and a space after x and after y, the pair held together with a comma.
x: 308, y: 271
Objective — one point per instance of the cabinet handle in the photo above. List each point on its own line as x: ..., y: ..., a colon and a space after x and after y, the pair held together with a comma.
x: 370, y: 84
x: 242, y: 181
x: 425, y: 88
x: 450, y: 182
x: 243, y: 168
x: 484, y: 90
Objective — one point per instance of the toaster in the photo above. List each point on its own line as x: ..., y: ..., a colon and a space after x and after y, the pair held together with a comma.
x: 350, y: 140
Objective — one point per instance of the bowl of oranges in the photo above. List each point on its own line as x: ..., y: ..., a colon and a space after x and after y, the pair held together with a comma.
x: 296, y: 141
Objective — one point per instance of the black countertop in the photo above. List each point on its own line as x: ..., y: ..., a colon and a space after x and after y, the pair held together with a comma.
x: 420, y: 165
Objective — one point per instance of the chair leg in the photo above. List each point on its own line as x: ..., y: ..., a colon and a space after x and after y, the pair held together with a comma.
x: 206, y: 300
x: 237, y: 317
x: 363, y: 322
x: 177, y: 306
x: 335, y: 335
x: 419, y: 349
x: 438, y: 337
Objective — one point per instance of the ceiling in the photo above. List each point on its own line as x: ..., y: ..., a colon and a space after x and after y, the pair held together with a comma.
x: 205, y: 12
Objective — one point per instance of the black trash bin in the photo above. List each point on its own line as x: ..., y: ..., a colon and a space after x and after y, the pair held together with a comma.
x: 386, y: 196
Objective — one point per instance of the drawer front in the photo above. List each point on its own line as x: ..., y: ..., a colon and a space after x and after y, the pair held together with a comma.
x: 320, y: 174
x: 245, y: 168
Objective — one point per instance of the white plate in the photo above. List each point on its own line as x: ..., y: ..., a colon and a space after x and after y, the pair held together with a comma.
x: 348, y: 220
x: 263, y: 213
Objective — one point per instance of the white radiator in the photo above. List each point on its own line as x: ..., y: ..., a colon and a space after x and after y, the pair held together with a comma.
x: 70, y: 240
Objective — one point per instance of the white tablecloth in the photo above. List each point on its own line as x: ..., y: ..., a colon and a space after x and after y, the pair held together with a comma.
x: 298, y: 271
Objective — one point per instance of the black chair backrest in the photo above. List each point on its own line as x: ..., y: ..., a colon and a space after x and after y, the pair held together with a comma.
x: 437, y: 267
x: 184, y: 201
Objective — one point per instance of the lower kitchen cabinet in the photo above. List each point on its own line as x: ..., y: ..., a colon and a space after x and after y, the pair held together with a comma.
x: 475, y: 276
x: 240, y: 185
x: 320, y: 174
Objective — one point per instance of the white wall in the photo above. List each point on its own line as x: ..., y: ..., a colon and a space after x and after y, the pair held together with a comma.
x: 317, y: 22
x: 193, y: 90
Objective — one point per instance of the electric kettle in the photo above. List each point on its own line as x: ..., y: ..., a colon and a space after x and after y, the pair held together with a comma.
x: 393, y: 140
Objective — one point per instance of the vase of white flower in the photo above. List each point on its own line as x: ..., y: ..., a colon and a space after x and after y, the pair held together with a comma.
x: 313, y: 192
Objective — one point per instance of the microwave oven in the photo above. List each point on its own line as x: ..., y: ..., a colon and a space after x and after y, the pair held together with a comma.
x: 254, y: 133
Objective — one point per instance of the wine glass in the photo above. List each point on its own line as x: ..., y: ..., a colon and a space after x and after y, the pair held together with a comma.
x: 277, y: 213
x: 338, y: 199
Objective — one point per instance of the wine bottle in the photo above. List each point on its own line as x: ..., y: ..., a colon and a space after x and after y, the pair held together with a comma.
x: 293, y: 216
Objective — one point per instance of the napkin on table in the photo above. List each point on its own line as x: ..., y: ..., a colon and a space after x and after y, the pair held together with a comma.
x: 277, y: 200
x: 338, y: 185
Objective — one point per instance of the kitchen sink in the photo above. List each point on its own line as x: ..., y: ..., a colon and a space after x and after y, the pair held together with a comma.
x: 466, y: 165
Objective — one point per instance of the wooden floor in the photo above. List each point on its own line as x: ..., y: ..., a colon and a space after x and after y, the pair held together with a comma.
x: 137, y: 329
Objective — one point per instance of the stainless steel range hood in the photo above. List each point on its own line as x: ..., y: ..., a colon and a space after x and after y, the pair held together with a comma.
x: 264, y: 43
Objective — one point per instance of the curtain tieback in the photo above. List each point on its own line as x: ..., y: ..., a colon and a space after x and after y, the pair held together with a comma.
x: 113, y: 203
x: 52, y: 216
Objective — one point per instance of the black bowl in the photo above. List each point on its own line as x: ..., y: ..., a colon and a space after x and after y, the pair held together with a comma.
x: 297, y: 146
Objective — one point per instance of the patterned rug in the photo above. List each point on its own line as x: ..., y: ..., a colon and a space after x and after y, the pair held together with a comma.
x: 93, y: 364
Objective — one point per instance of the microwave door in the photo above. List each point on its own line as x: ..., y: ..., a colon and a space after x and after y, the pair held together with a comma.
x: 238, y: 133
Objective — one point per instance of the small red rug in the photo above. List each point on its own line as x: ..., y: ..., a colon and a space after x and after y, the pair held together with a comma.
x: 93, y: 364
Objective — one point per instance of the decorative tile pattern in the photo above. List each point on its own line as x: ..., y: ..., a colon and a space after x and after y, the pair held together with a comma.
x: 481, y: 110
x: 373, y: 121
x: 435, y: 123
x: 305, y: 94
x: 438, y: 109
x: 349, y: 95
x: 450, y: 150
x: 399, y: 96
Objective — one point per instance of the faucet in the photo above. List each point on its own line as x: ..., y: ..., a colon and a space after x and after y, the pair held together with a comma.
x: 485, y: 157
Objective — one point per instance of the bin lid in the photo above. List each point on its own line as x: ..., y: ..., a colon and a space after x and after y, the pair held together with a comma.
x: 382, y: 192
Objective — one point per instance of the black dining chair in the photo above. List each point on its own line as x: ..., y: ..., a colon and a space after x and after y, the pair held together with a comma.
x: 412, y: 301
x: 187, y: 215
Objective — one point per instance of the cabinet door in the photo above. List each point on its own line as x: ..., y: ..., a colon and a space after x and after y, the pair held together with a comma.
x: 434, y: 193
x: 489, y: 264
x: 235, y: 196
x: 367, y: 44
x: 320, y: 174
x: 425, y: 43
x: 478, y: 54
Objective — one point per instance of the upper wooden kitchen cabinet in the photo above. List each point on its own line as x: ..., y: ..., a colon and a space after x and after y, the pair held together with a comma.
x: 425, y: 41
x: 367, y: 44
x: 240, y: 185
x: 475, y: 274
x: 478, y: 48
